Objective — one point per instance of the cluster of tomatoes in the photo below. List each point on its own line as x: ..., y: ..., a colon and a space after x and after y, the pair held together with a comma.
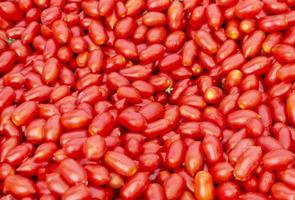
x: 147, y: 99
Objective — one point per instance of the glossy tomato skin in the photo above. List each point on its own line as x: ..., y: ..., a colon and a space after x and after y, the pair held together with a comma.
x: 135, y: 186
x: 222, y: 172
x: 121, y: 163
x: 247, y: 163
x: 194, y: 158
x: 228, y: 190
x: 132, y: 120
x: 204, y: 188
x: 155, y: 191
x: 174, y: 186
x: 7, y: 60
x: 19, y: 186
x: 147, y: 99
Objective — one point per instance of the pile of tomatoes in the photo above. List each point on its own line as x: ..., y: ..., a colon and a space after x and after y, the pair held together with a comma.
x: 147, y: 99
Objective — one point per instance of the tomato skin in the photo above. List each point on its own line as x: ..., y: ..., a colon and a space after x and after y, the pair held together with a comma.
x: 174, y: 186
x: 273, y: 23
x: 212, y: 148
x: 48, y: 16
x: 7, y: 59
x: 132, y: 120
x: 175, y: 15
x: 21, y: 188
x: 228, y: 190
x: 174, y: 41
x: 266, y: 180
x: 24, y: 113
x: 151, y: 53
x: 147, y: 99
x: 250, y: 195
x: 126, y: 47
x: 134, y: 7
x: 252, y: 44
x: 271, y: 76
x: 247, y: 163
x: 152, y: 111
x: 256, y: 66
x: 72, y: 172
x: 51, y: 70
x: 69, y: 120
x: 288, y: 38
x: 175, y: 154
x: 250, y: 94
x: 197, y: 17
x: 154, y: 19
x: 222, y: 172
x: 290, y: 108
x: 206, y: 42
x: 286, y: 72
x: 248, y: 25
x: 214, y: 16
x: 61, y: 32
x: 21, y: 50
x: 50, y: 49
x: 10, y: 11
x: 8, y: 96
x: 155, y: 191
x: 97, y: 33
x: 136, y: 185
x: 194, y: 158
x: 282, y: 53
x: 120, y: 163
x: 76, y: 192
x: 91, y: 152
x: 274, y: 159
x: 204, y: 186
x: 125, y: 27
x: 282, y: 191
x: 105, y: 7
x: 102, y: 124
x: 248, y: 8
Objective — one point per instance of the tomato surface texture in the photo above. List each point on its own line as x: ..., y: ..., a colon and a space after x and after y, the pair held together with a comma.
x: 147, y: 100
